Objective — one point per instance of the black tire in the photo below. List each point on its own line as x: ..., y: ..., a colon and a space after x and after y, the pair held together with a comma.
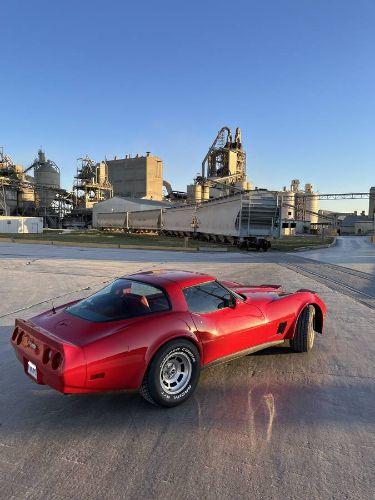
x: 183, y: 353
x: 304, y: 336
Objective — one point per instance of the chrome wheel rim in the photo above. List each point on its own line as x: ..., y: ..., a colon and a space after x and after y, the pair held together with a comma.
x: 311, y: 332
x: 175, y: 372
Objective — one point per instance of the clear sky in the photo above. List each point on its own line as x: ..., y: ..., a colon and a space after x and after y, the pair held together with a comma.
x: 112, y: 77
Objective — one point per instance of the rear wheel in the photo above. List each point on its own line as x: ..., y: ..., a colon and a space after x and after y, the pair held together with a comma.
x: 304, y: 336
x: 172, y: 374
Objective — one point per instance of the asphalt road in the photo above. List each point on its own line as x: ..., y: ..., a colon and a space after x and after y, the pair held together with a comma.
x: 271, y: 425
x: 355, y: 252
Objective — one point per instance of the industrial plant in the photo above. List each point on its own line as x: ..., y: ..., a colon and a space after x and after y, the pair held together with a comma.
x: 130, y: 194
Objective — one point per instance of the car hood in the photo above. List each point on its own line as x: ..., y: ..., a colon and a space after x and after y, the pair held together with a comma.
x: 240, y: 288
x: 257, y: 293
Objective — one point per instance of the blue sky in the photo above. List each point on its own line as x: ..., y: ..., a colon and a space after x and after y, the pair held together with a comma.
x: 116, y: 77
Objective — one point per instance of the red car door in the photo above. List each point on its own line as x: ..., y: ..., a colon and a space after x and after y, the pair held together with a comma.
x: 223, y: 329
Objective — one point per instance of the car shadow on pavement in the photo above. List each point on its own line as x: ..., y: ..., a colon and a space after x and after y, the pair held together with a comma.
x: 233, y: 406
x: 241, y: 396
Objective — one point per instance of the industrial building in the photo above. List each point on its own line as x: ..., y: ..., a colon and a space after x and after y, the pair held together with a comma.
x: 135, y: 184
x: 91, y: 184
x: 299, y: 209
x: 137, y: 177
x: 38, y: 195
x: 223, y: 170
x: 357, y: 224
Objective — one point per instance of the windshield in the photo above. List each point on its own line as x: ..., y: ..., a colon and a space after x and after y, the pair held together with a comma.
x: 122, y: 299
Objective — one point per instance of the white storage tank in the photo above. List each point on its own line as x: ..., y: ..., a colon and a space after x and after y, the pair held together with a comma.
x: 311, y: 204
x: 287, y: 205
x: 205, y: 192
x: 15, y: 225
x: 47, y: 180
x: 198, y: 192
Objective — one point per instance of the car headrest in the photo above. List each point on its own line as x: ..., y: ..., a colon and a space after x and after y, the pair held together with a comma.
x: 135, y: 303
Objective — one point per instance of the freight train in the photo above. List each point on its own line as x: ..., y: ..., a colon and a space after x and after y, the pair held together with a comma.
x: 248, y: 220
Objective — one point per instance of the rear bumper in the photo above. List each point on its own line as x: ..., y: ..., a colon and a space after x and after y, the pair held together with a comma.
x: 59, y: 365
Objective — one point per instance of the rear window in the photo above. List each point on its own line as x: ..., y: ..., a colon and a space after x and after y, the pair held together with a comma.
x: 122, y: 299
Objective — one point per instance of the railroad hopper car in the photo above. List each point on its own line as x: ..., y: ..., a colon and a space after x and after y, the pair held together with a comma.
x: 138, y: 222
x: 145, y: 221
x: 180, y: 221
x: 115, y: 220
x: 242, y: 219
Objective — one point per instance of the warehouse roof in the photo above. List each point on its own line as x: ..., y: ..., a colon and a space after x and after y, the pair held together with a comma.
x: 137, y: 201
x: 350, y: 220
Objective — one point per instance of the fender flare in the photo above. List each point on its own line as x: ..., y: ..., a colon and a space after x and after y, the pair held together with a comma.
x: 318, y: 319
x: 152, y: 350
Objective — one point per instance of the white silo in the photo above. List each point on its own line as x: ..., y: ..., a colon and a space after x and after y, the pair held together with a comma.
x: 294, y: 185
x: 311, y: 204
x: 205, y: 192
x: 47, y: 179
x: 198, y: 193
x: 287, y: 205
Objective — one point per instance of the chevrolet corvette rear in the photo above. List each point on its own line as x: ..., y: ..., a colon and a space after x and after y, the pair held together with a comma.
x: 155, y: 330
x: 48, y: 359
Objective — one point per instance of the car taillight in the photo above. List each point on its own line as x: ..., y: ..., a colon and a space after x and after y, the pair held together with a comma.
x: 20, y: 337
x: 15, y: 333
x: 56, y: 360
x: 47, y: 355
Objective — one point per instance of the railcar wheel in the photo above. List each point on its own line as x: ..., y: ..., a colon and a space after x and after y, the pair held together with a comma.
x: 172, y: 375
x: 304, y: 336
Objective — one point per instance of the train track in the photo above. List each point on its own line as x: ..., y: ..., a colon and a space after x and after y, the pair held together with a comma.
x: 356, y: 284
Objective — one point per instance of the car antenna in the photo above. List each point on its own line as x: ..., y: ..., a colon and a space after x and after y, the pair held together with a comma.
x: 53, y: 308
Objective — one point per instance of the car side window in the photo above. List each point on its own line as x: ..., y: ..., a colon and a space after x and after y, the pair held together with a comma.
x: 206, y: 297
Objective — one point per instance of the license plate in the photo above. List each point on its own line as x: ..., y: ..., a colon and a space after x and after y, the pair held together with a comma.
x: 31, y: 370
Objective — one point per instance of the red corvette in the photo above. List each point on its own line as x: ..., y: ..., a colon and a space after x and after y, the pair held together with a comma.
x: 155, y: 330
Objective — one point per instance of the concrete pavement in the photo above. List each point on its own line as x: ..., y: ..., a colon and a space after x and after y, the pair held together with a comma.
x: 355, y: 252
x: 271, y: 425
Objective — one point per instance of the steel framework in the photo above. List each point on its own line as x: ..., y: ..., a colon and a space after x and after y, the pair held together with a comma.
x: 338, y: 196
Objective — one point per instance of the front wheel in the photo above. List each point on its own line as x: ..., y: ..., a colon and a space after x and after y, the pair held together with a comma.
x: 304, y: 335
x: 172, y: 375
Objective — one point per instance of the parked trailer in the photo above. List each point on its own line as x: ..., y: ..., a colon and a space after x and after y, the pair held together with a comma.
x: 145, y: 220
x: 13, y: 224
